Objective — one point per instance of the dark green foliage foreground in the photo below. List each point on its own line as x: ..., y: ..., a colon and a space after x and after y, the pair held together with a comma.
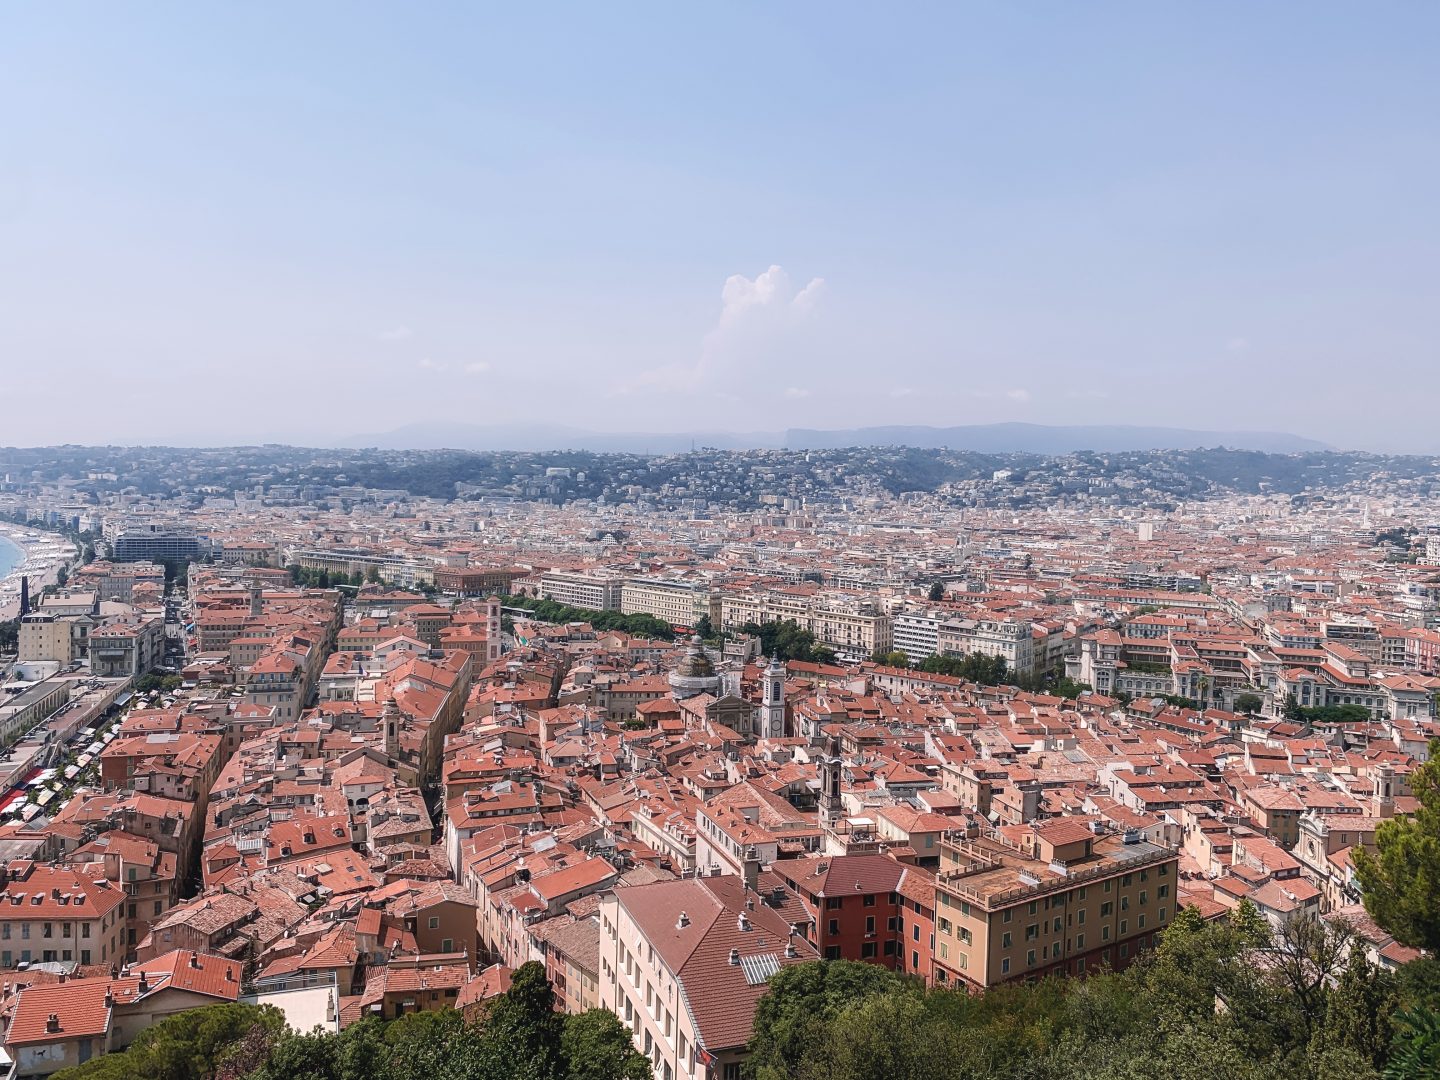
x: 520, y: 1037
x: 1226, y: 1001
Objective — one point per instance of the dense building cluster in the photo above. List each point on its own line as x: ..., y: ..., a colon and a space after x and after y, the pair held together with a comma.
x: 315, y: 745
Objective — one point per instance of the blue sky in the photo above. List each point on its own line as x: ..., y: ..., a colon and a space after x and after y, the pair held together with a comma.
x: 298, y: 222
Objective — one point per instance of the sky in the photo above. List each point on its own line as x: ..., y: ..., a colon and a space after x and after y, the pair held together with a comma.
x: 226, y: 223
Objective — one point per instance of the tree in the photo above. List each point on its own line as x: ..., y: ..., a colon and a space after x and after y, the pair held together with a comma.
x: 522, y: 1028
x: 792, y: 1021
x: 705, y: 628
x: 1401, y: 879
x: 892, y: 658
x: 1249, y: 704
x: 187, y: 1046
x: 596, y: 1046
x: 937, y: 592
x: 1415, y: 1054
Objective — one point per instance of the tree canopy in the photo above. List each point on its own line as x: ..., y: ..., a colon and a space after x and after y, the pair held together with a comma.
x: 1401, y: 879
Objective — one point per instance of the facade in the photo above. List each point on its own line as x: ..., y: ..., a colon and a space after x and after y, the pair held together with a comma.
x: 157, y: 543
x: 853, y: 627
x: 683, y: 964
x: 599, y: 592
x: 1028, y: 901
x: 680, y: 603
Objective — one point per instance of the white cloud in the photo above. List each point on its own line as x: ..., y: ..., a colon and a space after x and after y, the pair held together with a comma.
x: 1088, y: 395
x: 476, y: 367
x: 1018, y: 395
x: 427, y: 364
x: 757, y: 334
x: 901, y: 391
x: 1237, y: 345
x: 397, y: 333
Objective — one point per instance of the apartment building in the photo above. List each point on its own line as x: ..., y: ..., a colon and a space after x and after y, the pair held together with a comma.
x: 1026, y: 901
x: 683, y: 964
x: 53, y: 915
x: 854, y: 627
x: 680, y: 603
x: 921, y: 634
x: 597, y: 591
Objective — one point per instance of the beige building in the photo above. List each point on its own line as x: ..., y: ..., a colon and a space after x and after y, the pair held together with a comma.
x: 853, y: 627
x: 1028, y: 901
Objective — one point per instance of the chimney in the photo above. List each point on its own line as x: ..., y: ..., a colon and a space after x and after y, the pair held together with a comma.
x: 109, y: 997
x: 229, y: 974
x: 52, y: 1023
x: 744, y: 922
x: 195, y: 961
x: 144, y: 987
x: 790, y: 951
x: 683, y: 921
x: 734, y: 959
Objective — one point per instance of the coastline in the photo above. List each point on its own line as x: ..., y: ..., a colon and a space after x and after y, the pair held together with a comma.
x: 43, y: 553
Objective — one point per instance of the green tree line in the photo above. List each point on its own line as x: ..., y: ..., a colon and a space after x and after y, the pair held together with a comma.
x: 637, y: 625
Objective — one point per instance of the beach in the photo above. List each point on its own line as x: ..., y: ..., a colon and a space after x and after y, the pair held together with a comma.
x: 33, y: 553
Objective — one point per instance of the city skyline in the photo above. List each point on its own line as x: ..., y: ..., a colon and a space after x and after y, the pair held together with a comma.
x: 299, y: 228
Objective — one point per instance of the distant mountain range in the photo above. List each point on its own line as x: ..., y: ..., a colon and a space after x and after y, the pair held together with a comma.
x: 985, y: 438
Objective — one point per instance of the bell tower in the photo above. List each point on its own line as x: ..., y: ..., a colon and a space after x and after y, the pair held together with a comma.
x: 772, y: 701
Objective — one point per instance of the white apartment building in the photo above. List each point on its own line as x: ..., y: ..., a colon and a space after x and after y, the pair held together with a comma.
x: 683, y: 964
x: 680, y: 603
x: 597, y: 591
x: 921, y: 634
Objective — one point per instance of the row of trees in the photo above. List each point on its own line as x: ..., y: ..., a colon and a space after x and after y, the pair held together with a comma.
x: 328, y: 579
x: 637, y: 625
x: 519, y: 1036
x: 1230, y: 999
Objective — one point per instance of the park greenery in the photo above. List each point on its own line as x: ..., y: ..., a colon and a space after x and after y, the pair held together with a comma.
x: 549, y: 611
x: 788, y: 640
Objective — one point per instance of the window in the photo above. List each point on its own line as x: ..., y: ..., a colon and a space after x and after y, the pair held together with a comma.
x: 1006, y: 916
x: 869, y: 925
x: 1162, y: 892
x: 1104, y: 933
x: 1164, y: 870
x: 1124, y: 926
x: 966, y: 936
x: 915, y: 932
x: 1081, y: 894
x: 1005, y: 941
x: 870, y: 900
x: 1140, y: 923
x: 1106, y: 908
x: 832, y: 952
x: 964, y: 908
x: 1079, y: 941
x: 1032, y: 907
x: 867, y: 951
x: 1058, y: 924
x: 1162, y: 914
x: 1005, y: 966
x: 434, y: 922
x: 832, y: 903
x: 1144, y: 896
x: 914, y: 960
x: 1082, y: 916
x: 945, y: 926
x: 892, y: 923
x: 1032, y: 931
x: 835, y: 926
x: 1030, y: 958
x: 1125, y: 881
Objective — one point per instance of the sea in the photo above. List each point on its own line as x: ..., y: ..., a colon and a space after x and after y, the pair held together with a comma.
x: 11, y: 555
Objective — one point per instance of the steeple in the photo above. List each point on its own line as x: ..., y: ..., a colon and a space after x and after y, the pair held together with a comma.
x: 772, y: 701
x: 830, y: 804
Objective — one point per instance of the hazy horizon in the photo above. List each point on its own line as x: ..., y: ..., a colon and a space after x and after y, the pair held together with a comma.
x: 299, y: 225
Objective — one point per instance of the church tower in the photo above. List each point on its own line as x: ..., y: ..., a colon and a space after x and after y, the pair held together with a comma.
x: 390, y: 726
x: 257, y: 608
x: 831, y: 808
x: 772, y: 701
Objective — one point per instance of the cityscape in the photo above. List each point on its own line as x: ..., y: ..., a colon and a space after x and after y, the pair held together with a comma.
x: 361, y: 751
x: 719, y: 541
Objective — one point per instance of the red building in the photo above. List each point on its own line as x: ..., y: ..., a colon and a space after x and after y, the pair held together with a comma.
x: 855, y: 905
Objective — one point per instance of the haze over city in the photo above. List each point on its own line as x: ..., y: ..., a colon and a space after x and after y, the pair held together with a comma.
x: 307, y: 224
